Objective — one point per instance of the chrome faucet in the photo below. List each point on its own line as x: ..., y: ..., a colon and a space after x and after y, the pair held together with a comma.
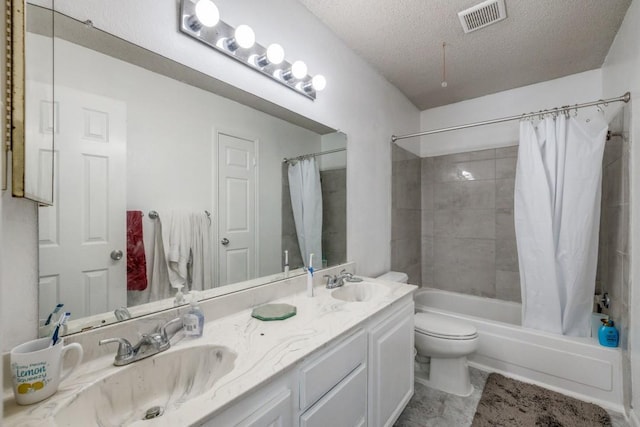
x: 148, y: 345
x: 339, y: 279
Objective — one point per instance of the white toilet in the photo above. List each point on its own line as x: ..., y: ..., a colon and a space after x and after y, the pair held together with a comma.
x: 442, y: 345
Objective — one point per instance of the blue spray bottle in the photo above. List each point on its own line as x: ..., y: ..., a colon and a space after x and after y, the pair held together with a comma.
x: 607, y: 334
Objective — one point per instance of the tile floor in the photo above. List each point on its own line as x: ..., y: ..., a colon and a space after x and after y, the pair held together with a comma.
x: 433, y: 408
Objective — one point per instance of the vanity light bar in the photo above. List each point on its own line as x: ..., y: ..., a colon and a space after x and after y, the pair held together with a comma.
x: 239, y: 43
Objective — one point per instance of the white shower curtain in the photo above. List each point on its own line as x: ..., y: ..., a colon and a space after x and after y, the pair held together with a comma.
x: 306, y: 201
x: 557, y: 217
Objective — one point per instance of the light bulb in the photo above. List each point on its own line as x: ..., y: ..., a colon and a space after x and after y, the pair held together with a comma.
x: 207, y: 13
x: 318, y: 82
x: 275, y: 53
x: 245, y: 37
x: 299, y: 69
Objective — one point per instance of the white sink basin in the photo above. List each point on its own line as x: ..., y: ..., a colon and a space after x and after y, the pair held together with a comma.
x: 360, y: 292
x: 166, y: 380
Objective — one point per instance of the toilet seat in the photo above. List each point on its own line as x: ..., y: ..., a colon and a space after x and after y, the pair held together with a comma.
x: 444, y: 327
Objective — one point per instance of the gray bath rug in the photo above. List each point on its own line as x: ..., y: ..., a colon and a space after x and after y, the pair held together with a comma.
x: 506, y: 402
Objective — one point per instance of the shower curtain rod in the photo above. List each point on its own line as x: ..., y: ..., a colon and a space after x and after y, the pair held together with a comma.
x: 306, y: 156
x: 624, y: 98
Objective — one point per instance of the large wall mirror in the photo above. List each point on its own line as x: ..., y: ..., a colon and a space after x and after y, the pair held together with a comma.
x: 160, y: 182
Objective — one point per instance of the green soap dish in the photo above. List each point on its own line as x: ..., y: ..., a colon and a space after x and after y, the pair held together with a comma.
x: 273, y: 312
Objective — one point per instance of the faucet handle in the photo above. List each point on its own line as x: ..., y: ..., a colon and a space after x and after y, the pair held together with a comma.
x: 349, y: 277
x: 163, y: 329
x: 125, y: 348
x: 330, y: 279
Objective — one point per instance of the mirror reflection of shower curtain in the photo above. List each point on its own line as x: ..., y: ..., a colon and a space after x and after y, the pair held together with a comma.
x: 306, y: 201
x: 557, y: 217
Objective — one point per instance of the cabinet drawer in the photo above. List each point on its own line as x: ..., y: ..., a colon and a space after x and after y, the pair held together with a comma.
x: 345, y: 405
x: 321, y: 374
x: 274, y: 413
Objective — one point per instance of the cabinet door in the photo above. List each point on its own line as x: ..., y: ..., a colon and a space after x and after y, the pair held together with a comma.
x: 270, y: 406
x: 275, y: 413
x: 345, y: 405
x: 391, y: 366
x: 322, y: 373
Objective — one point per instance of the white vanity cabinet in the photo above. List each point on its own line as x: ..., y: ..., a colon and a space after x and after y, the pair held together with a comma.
x: 362, y: 379
x: 345, y: 405
x: 273, y: 405
x: 333, y: 384
x: 391, y: 343
x: 369, y: 374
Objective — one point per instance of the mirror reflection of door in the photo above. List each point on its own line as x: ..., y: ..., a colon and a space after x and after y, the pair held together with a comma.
x: 236, y: 209
x: 82, y: 233
x: 40, y: 126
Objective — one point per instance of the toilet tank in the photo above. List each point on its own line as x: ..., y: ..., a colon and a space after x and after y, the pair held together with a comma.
x: 395, y: 276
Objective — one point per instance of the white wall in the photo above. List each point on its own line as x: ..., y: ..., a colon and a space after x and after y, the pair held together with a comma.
x: 573, y: 89
x: 171, y: 154
x: 336, y: 160
x: 18, y: 261
x: 357, y: 100
x: 621, y: 73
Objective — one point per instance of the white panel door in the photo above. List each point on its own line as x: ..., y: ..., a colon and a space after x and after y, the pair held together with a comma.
x: 40, y: 126
x: 237, y: 209
x: 87, y: 221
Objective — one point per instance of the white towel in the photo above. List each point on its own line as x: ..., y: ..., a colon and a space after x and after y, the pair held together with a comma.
x: 159, y: 287
x: 177, y: 240
x: 201, y: 268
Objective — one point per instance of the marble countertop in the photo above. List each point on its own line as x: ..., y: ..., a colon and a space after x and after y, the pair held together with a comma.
x: 264, y: 350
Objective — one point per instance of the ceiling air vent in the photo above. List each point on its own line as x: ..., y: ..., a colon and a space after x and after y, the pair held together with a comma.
x: 483, y: 14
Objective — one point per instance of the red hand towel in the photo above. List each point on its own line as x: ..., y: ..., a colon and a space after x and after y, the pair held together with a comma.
x: 136, y: 259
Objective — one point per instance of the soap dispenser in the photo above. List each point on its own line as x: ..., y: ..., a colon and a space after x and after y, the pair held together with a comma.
x: 193, y: 320
x: 179, y: 298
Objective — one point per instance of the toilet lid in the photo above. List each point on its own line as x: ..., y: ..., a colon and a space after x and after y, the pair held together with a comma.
x: 444, y: 327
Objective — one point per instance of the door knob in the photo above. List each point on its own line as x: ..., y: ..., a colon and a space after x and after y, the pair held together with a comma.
x: 116, y: 255
x: 225, y: 241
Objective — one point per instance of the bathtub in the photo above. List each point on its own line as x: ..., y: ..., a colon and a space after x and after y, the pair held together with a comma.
x: 575, y: 366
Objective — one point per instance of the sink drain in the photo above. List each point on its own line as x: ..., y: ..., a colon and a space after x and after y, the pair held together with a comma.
x: 153, y: 412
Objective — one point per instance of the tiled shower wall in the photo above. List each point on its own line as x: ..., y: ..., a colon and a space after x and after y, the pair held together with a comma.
x: 613, y: 251
x: 334, y: 218
x: 614, y: 248
x: 468, y: 236
x: 405, y: 214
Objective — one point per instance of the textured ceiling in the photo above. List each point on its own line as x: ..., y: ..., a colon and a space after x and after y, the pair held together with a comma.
x: 540, y: 40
